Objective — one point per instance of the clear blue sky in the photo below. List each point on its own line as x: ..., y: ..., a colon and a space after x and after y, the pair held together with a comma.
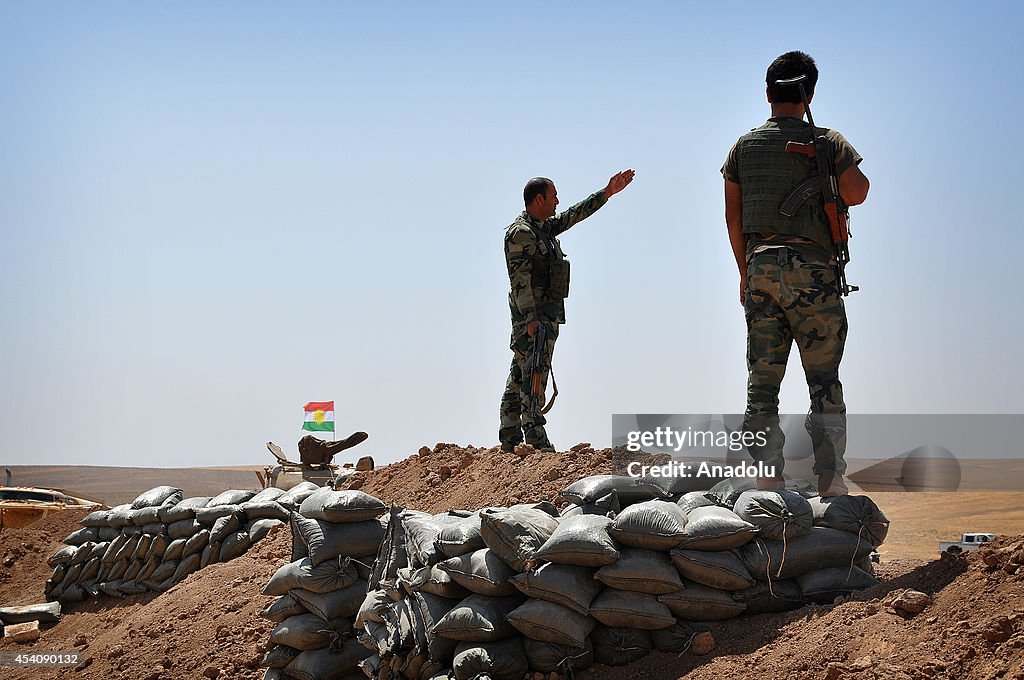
x: 212, y: 213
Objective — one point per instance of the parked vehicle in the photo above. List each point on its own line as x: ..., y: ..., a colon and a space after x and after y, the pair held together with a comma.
x: 969, y: 542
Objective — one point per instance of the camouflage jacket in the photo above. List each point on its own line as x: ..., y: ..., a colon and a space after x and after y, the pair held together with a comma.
x: 530, y: 248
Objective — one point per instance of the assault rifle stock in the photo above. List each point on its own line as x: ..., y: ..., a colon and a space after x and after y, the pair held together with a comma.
x: 824, y: 181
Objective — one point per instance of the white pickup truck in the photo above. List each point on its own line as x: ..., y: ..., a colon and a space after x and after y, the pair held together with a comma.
x: 970, y: 541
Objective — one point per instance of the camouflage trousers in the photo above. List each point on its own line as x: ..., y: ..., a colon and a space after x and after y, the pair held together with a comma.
x: 791, y: 299
x: 516, y: 419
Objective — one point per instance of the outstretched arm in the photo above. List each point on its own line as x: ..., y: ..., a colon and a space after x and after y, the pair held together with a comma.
x: 590, y: 204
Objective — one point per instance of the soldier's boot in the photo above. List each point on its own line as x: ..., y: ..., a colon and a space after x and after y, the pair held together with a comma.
x: 831, y: 483
x: 538, y: 438
x: 510, y: 437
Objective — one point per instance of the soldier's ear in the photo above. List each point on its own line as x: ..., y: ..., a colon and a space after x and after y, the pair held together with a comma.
x: 768, y: 93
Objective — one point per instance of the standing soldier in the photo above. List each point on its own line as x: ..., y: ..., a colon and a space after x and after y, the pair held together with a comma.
x: 539, y: 274
x: 788, y: 272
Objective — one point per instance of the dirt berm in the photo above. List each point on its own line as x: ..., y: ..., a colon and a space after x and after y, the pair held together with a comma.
x: 209, y: 625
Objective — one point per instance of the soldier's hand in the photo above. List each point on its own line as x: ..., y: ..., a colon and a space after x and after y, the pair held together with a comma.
x: 618, y: 182
x: 743, y: 290
x: 531, y: 328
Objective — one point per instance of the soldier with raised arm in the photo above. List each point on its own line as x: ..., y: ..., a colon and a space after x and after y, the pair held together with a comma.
x: 539, y: 276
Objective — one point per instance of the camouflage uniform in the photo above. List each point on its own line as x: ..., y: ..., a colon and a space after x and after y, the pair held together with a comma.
x: 792, y: 293
x: 532, y: 251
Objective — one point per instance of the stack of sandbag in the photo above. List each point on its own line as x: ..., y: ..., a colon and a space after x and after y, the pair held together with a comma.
x: 632, y: 566
x: 335, y: 539
x: 160, y: 538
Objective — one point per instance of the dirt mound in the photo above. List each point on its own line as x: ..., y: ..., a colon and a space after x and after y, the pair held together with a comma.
x: 209, y: 626
x: 449, y: 476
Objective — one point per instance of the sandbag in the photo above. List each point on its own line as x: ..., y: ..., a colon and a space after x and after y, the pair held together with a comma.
x: 824, y: 585
x: 234, y: 545
x: 776, y: 514
x: 63, y: 556
x: 620, y: 646
x: 304, y: 631
x: 778, y: 595
x: 279, y: 656
x: 146, y: 515
x: 515, y: 535
x: 728, y: 490
x: 293, y: 497
x: 373, y: 604
x: 341, y: 506
x: 677, y: 638
x: 695, y: 499
x: 856, y: 514
x: 698, y: 602
x: 651, y: 525
x: 127, y: 549
x: 715, y: 528
x: 550, y: 622
x: 283, y: 607
x: 186, y: 566
x: 157, y: 496
x: 327, y: 540
x: 332, y: 605
x: 174, y: 549
x: 479, y: 618
x: 47, y: 612
x: 99, y: 518
x: 224, y: 526
x: 622, y: 609
x: 501, y: 660
x: 271, y: 493
x: 431, y: 610
x: 820, y: 548
x: 571, y: 510
x: 265, y: 509
x: 581, y: 540
x: 420, y: 535
x: 211, y: 513
x: 120, y: 515
x: 570, y: 586
x: 547, y: 657
x: 183, y: 529
x: 462, y: 537
x: 231, y: 497
x: 158, y: 546
x: 481, y: 572
x: 641, y: 571
x: 196, y: 543
x: 258, y: 529
x: 327, y: 576
x: 721, y: 569
x: 627, y: 490
x: 83, y: 535
x: 438, y: 582
x: 186, y: 509
x: 164, y: 571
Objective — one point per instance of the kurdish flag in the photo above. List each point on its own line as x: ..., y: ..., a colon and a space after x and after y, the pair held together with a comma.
x: 319, y: 416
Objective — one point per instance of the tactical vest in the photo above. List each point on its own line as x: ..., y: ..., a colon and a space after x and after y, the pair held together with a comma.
x: 549, y: 266
x: 768, y: 173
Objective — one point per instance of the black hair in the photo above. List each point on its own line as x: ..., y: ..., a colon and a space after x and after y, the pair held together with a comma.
x: 538, y: 186
x: 791, y: 65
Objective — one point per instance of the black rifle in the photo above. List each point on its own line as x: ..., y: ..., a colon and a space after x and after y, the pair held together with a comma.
x: 535, y: 371
x: 824, y: 181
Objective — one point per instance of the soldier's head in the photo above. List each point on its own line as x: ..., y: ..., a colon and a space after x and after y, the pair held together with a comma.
x: 791, y: 65
x: 541, y: 198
